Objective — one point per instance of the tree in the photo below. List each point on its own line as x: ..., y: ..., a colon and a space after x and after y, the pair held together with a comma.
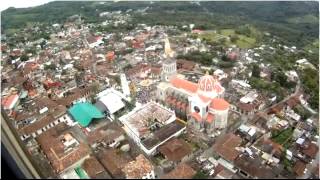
x: 117, y: 79
x: 256, y: 71
x: 24, y: 57
x: 51, y: 66
x: 42, y: 44
x: 222, y: 40
x: 224, y: 58
x: 96, y: 87
x: 234, y: 38
x: 245, y: 30
x: 200, y: 175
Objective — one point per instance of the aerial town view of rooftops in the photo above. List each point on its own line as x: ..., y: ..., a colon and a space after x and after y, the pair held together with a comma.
x: 116, y: 90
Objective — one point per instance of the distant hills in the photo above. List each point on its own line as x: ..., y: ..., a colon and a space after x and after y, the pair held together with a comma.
x: 292, y: 20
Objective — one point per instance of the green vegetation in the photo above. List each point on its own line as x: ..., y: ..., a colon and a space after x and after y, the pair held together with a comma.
x: 210, y: 37
x: 200, y: 175
x: 51, y: 66
x: 282, y: 136
x: 288, y: 164
x: 310, y: 83
x: 117, y: 80
x: 256, y: 71
x: 228, y: 37
x: 204, y: 58
x: 302, y: 112
x: 308, y: 19
x: 295, y: 22
x: 24, y: 57
x: 280, y: 77
x: 244, y: 39
x: 268, y: 87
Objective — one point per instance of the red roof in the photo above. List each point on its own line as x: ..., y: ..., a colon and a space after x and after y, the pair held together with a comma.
x: 197, y: 31
x: 110, y: 55
x: 233, y: 55
x: 219, y: 104
x: 196, y: 116
x: 217, y: 87
x: 204, y: 99
x: 8, y: 102
x: 210, y: 118
x: 184, y: 84
x: 98, y: 38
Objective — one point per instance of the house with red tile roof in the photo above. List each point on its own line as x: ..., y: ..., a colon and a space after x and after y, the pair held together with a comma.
x: 10, y: 102
x: 176, y: 150
x: 182, y: 171
x: 140, y: 168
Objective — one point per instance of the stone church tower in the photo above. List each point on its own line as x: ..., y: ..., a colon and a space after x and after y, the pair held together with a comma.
x: 169, y: 66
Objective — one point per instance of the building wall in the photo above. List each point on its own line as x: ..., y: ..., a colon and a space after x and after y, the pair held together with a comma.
x: 63, y: 118
x: 220, y: 118
x: 149, y: 175
x: 168, y: 70
x: 137, y: 140
x: 76, y: 164
x: 161, y: 93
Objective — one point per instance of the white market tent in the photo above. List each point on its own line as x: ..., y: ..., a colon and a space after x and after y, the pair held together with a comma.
x: 112, y: 101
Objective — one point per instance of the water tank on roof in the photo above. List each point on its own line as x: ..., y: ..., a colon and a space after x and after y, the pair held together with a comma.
x: 43, y: 110
x: 125, y: 148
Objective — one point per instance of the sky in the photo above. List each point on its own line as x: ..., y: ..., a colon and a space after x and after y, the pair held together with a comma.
x: 21, y: 3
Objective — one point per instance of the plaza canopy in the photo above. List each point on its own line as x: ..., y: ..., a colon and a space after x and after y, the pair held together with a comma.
x: 112, y: 102
x: 84, y: 113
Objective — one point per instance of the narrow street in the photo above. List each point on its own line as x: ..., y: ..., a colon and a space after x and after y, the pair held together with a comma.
x: 297, y: 90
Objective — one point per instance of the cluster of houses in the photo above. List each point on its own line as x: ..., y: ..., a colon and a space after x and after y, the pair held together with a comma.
x: 119, y: 105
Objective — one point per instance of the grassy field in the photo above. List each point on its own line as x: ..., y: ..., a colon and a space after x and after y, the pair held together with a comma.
x: 308, y: 19
x: 313, y: 46
x: 283, y: 136
x: 243, y: 42
x: 211, y: 36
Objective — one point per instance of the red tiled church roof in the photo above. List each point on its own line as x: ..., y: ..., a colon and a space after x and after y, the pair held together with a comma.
x: 184, y: 84
x: 219, y: 104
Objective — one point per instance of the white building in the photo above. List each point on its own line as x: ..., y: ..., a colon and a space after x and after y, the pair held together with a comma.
x: 110, y: 101
x: 151, y: 125
x: 124, y: 85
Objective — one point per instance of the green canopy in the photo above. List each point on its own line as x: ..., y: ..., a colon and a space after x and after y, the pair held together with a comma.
x: 81, y: 173
x: 84, y: 113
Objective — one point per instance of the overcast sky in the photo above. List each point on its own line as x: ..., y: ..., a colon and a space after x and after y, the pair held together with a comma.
x: 21, y: 3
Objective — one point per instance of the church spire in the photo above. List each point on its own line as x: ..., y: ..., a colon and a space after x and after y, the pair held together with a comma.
x: 167, y: 49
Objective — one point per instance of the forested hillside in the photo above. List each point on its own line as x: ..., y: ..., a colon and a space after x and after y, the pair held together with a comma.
x: 295, y: 22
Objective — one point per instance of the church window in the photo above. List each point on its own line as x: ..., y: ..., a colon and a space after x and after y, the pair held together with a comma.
x: 196, y: 109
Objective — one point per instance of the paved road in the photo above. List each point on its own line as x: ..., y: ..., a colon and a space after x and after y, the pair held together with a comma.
x: 297, y: 90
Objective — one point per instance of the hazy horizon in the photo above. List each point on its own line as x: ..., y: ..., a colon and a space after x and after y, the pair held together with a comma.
x: 21, y: 3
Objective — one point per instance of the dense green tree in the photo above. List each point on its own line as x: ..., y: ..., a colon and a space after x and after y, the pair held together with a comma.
x: 200, y: 175
x: 256, y: 71
x: 24, y: 57
x: 234, y: 38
